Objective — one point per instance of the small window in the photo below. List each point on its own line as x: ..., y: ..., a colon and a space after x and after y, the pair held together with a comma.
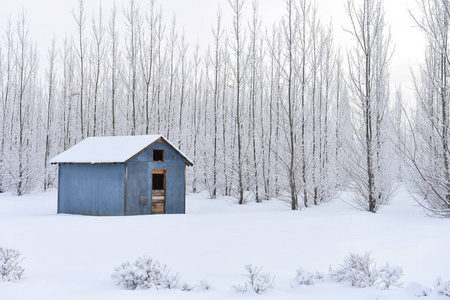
x: 158, y: 155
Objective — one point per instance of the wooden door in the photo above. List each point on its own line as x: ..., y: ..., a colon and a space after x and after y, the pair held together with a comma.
x: 158, y: 192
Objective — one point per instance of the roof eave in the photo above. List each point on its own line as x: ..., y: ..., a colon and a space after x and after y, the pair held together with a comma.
x: 87, y: 163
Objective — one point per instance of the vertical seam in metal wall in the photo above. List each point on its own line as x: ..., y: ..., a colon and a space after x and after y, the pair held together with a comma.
x: 125, y: 193
x: 184, y: 212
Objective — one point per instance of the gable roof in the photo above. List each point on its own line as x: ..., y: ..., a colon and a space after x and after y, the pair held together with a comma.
x: 112, y: 149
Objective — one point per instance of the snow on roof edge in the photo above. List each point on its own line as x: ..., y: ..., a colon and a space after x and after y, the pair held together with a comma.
x: 178, y: 150
x: 111, y: 149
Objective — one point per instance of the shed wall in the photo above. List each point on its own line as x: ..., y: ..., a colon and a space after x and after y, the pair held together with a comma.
x: 90, y: 189
x: 139, y: 181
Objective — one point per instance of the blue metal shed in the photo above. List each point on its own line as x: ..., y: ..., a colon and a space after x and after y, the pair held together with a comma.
x: 122, y: 175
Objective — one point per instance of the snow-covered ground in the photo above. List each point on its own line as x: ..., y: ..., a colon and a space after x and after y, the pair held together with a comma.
x: 73, y: 257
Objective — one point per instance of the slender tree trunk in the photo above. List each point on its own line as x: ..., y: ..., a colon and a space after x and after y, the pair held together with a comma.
x: 236, y: 6
x: 50, y: 74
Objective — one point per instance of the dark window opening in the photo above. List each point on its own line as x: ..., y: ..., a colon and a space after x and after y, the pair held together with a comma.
x: 158, y: 155
x: 158, y: 182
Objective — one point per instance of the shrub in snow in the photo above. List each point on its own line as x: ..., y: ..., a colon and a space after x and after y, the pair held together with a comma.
x: 418, y: 290
x: 240, y: 288
x: 10, y: 260
x: 170, y: 281
x: 304, y: 277
x: 187, y: 287
x: 442, y: 287
x: 361, y: 272
x: 318, y: 275
x: 256, y: 280
x: 204, y: 285
x: 126, y: 276
x: 145, y: 272
x: 389, y: 276
x: 357, y: 270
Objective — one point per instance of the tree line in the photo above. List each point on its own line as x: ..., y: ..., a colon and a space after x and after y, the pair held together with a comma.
x: 263, y: 112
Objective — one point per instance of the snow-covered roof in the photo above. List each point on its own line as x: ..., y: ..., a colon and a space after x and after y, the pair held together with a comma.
x: 111, y: 149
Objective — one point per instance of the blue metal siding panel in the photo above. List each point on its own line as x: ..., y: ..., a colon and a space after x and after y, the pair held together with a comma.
x: 138, y: 183
x: 175, y: 188
x: 91, y: 189
x: 175, y: 180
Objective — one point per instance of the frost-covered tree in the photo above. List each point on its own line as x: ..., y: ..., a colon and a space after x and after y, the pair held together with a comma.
x: 112, y: 71
x: 49, y: 112
x: 287, y: 62
x: 80, y: 49
x: 237, y: 46
x: 21, y: 140
x: 131, y: 83
x: 427, y: 154
x: 97, y: 58
x: 368, y: 76
x: 325, y: 89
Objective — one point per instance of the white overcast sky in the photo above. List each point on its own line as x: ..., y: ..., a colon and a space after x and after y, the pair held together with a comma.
x: 54, y: 17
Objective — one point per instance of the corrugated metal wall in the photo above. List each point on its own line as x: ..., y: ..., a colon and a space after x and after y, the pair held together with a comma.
x: 91, y: 189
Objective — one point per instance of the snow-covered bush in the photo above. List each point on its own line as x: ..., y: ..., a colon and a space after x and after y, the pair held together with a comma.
x: 145, y: 272
x: 319, y: 275
x: 356, y: 269
x: 186, y: 287
x: 126, y: 276
x: 258, y: 281
x: 304, y: 277
x: 418, y: 289
x: 204, y: 285
x: 389, y: 276
x: 240, y: 288
x: 361, y: 272
x: 170, y: 281
x: 10, y: 260
x: 442, y: 287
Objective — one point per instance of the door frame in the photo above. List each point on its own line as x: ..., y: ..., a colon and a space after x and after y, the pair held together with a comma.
x: 163, y: 172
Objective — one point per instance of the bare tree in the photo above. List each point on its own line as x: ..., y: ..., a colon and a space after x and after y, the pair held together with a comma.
x: 427, y: 154
x: 147, y: 44
x: 69, y: 94
x: 217, y: 65
x: 184, y: 73
x: 22, y: 163
x: 113, y: 35
x: 133, y: 23
x: 99, y: 53
x: 343, y: 128
x: 197, y: 82
x: 238, y: 51
x: 226, y: 121
x: 7, y: 77
x: 80, y: 46
x: 255, y: 31
x: 173, y: 70
x: 51, y: 82
x: 369, y: 90
x: 305, y: 7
